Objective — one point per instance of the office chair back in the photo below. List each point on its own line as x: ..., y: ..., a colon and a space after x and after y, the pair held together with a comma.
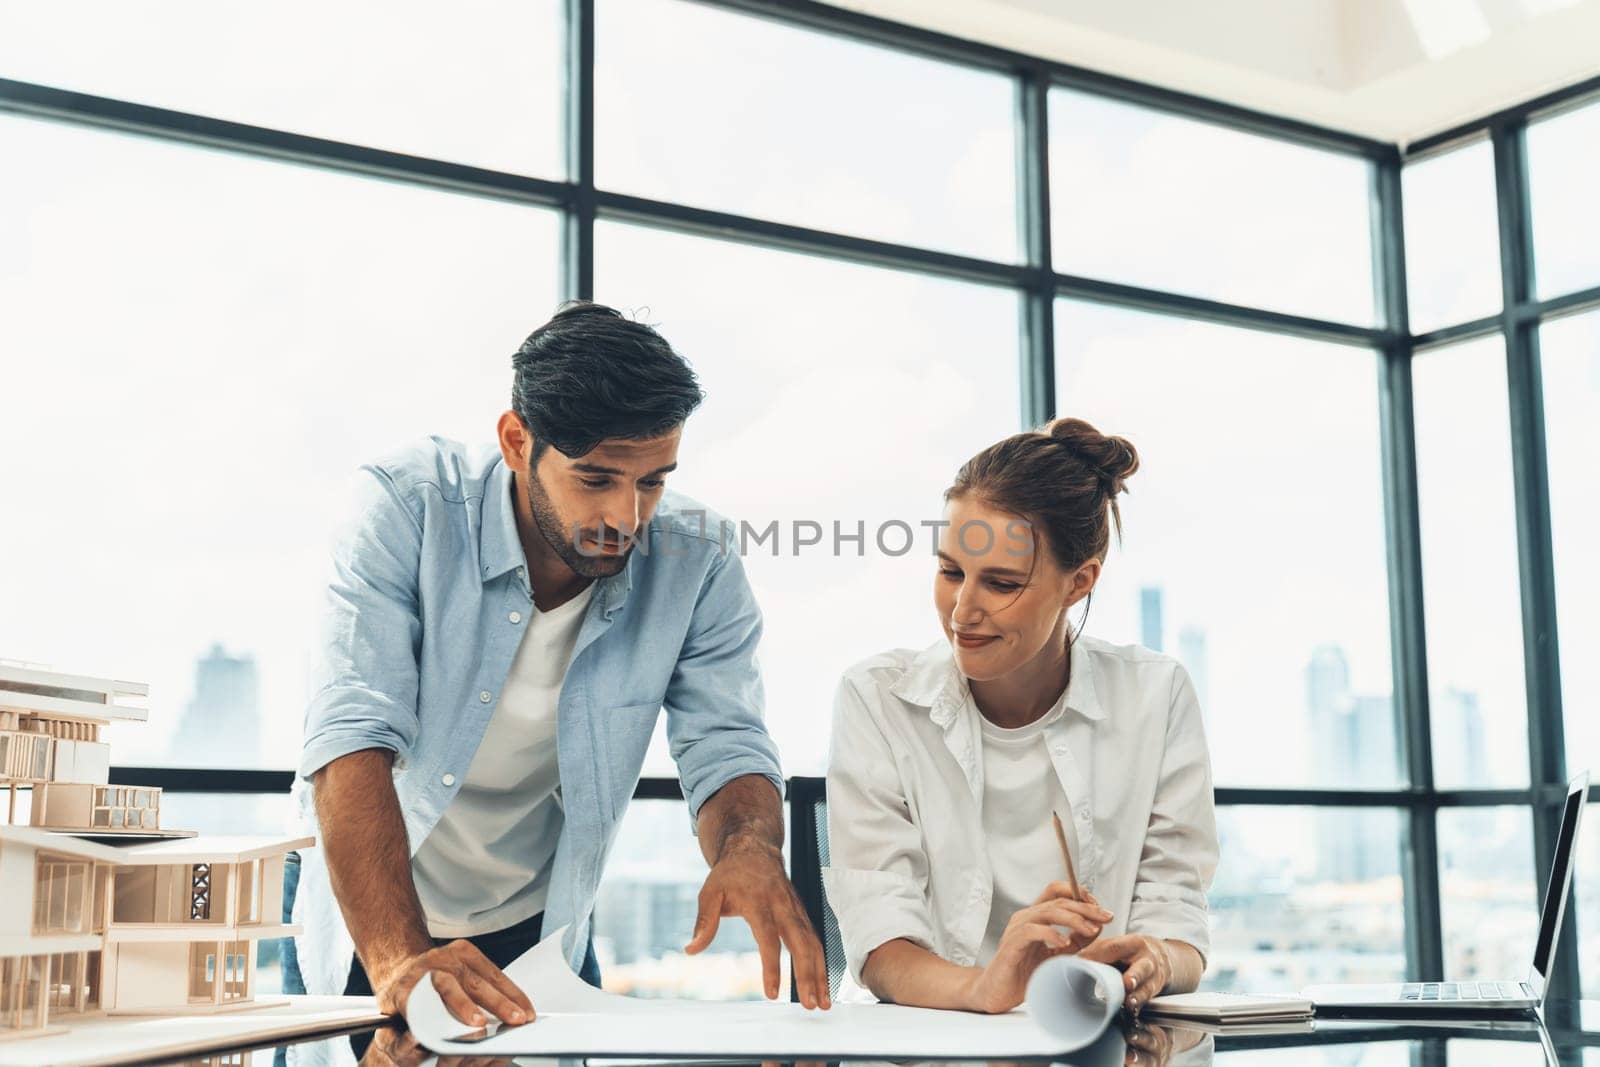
x: 808, y: 855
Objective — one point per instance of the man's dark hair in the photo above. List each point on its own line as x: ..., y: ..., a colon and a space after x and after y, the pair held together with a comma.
x: 590, y: 373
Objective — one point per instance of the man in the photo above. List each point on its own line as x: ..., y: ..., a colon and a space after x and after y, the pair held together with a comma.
x: 502, y: 629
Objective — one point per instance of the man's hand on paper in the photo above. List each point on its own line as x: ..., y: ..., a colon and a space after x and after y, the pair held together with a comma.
x: 465, y: 980
x: 369, y: 863
x: 396, y: 1047
x: 749, y: 881
x: 1034, y: 935
x: 1145, y: 962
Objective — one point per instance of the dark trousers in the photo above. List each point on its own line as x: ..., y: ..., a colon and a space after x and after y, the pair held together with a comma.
x: 502, y: 947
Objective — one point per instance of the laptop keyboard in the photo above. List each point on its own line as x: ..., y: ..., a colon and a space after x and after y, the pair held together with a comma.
x: 1432, y: 992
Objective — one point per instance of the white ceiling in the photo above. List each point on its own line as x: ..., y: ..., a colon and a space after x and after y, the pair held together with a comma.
x: 1395, y: 70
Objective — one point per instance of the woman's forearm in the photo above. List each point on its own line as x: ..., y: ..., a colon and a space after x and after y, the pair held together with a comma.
x: 900, y: 972
x: 1187, y: 967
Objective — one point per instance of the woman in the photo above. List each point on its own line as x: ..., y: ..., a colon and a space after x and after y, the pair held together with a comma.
x: 948, y: 763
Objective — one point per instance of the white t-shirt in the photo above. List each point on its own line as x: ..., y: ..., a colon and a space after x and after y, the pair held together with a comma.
x: 486, y: 865
x: 1020, y: 791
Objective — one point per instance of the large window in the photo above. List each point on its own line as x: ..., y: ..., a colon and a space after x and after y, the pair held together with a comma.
x: 1570, y: 358
x: 1252, y: 545
x: 1161, y: 201
x: 1306, y: 895
x: 1452, y: 245
x: 1469, y: 567
x: 480, y: 84
x: 214, y: 343
x: 1489, y: 896
x: 734, y: 116
x: 840, y: 402
x: 1496, y: 222
x: 201, y: 343
x: 1562, y: 171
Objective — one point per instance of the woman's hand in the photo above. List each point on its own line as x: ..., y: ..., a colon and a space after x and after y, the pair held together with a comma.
x: 1145, y: 962
x: 1030, y: 938
x: 1063, y: 891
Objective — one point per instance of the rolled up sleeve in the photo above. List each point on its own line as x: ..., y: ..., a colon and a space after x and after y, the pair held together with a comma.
x: 1179, y: 856
x: 716, y: 729
x: 364, y: 666
x: 878, y: 875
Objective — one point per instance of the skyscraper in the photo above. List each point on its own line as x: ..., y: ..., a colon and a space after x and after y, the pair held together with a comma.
x: 221, y: 727
x: 1327, y: 682
x: 1192, y: 654
x: 1150, y: 628
x: 1352, y: 745
x: 1460, y: 750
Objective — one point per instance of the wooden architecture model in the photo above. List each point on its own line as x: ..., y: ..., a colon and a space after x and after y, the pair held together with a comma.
x: 160, y: 927
x: 52, y: 747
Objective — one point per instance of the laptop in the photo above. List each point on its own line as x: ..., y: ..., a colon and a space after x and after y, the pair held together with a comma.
x: 1504, y: 994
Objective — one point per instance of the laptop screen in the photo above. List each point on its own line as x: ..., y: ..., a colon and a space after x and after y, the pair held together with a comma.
x: 1555, y: 894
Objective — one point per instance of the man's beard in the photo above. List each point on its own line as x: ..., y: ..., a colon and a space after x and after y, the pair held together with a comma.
x: 559, y: 538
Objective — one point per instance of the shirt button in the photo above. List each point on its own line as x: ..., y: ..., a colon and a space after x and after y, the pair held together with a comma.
x: 515, y: 616
x: 483, y: 697
x: 448, y: 779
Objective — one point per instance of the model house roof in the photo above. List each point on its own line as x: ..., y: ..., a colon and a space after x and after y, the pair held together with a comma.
x: 44, y: 841
x: 71, y: 696
x: 212, y: 849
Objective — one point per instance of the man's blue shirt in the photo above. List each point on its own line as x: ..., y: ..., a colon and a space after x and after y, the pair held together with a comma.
x: 419, y: 628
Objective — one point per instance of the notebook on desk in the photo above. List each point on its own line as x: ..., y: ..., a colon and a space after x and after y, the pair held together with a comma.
x: 1305, y: 1024
x: 1499, y: 994
x: 1222, y: 1009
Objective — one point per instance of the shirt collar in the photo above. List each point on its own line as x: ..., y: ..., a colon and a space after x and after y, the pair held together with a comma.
x: 499, y: 547
x: 1081, y: 695
x: 933, y: 682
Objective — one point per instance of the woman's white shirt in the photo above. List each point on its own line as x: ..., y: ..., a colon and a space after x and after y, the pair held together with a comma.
x: 909, y: 853
x: 1020, y: 792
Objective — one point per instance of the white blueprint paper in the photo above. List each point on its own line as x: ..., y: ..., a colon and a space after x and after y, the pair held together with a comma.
x: 1070, y: 1003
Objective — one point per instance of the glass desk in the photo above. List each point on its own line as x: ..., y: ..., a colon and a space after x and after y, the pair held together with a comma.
x: 1569, y: 1037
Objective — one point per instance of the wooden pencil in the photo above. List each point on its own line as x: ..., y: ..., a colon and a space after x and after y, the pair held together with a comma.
x: 1066, y: 856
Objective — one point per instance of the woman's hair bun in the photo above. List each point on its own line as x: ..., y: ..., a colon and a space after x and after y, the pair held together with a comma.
x: 1112, y: 458
x: 1063, y: 477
